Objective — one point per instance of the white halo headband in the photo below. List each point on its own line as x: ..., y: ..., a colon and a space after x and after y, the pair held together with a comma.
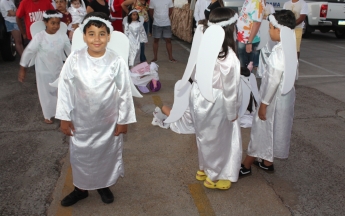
x: 106, y: 22
x: 132, y: 11
x: 57, y: 15
x: 274, y: 22
x: 225, y: 23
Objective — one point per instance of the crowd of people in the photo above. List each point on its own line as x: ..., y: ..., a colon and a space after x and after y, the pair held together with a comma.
x: 94, y: 98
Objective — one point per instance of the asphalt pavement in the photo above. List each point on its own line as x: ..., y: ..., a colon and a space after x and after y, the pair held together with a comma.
x: 160, y: 165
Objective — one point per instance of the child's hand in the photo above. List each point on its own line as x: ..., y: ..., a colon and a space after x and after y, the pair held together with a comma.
x: 262, y: 111
x: 120, y: 129
x: 66, y: 127
x: 21, y: 74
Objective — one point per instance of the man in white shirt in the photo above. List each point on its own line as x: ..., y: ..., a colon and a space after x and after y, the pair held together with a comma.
x: 160, y: 11
x: 300, y: 9
x: 199, y: 11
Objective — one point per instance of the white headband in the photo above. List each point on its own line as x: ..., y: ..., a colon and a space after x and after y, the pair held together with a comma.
x: 274, y: 22
x: 225, y: 23
x: 106, y: 22
x: 133, y: 11
x: 57, y: 15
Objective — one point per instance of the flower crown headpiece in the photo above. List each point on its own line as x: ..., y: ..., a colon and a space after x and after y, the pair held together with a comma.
x: 132, y: 11
x: 225, y: 23
x: 57, y: 15
x: 274, y: 22
x: 106, y: 22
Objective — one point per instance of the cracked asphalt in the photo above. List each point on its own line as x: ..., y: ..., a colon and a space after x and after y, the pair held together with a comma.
x: 160, y: 165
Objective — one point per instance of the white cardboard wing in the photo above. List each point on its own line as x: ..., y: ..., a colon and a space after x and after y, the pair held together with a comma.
x: 40, y: 26
x: 210, y: 47
x: 264, y: 34
x: 254, y: 88
x: 288, y: 40
x: 192, y: 56
x: 181, y: 102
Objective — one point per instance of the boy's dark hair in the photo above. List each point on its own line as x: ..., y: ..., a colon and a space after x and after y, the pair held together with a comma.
x: 224, y: 14
x: 50, y: 12
x: 129, y: 18
x: 286, y: 18
x: 96, y: 23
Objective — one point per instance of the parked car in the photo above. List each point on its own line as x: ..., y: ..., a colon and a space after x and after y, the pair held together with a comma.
x: 7, y: 46
x: 323, y: 15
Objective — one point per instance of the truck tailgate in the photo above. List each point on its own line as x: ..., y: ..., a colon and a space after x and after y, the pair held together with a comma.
x: 336, y: 10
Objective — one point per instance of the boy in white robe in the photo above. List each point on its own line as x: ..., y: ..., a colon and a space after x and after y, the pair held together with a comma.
x: 95, y: 105
x: 272, y: 124
x: 47, y: 51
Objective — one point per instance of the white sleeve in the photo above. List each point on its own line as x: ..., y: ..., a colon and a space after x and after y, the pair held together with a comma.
x: 6, y: 5
x: 196, y: 11
x: 67, y: 46
x: 65, y: 102
x: 30, y: 52
x: 304, y: 9
x: 143, y: 36
x: 171, y: 4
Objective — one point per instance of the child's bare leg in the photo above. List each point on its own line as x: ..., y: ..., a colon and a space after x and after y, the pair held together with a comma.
x: 248, y: 161
x: 166, y: 110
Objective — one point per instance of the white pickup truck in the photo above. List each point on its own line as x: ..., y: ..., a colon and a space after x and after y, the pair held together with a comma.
x: 323, y: 15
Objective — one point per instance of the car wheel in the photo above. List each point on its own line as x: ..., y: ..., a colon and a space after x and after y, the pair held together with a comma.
x: 340, y: 33
x: 306, y: 29
x: 7, y: 47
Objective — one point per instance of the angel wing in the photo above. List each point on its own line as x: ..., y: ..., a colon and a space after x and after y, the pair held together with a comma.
x: 288, y: 41
x: 210, y: 46
x: 181, y: 101
x: 40, y: 26
x: 264, y: 34
x: 192, y: 56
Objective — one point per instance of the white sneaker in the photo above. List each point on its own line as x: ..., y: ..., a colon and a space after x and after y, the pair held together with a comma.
x: 158, y: 119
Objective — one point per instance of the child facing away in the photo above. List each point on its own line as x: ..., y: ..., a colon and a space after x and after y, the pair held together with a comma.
x: 78, y: 12
x: 215, y: 123
x: 272, y: 123
x: 95, y: 106
x: 134, y: 30
x: 300, y: 10
x: 47, y: 52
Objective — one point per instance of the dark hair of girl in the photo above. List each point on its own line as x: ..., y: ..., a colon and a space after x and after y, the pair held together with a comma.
x: 285, y: 18
x: 129, y: 19
x: 224, y: 14
x: 96, y: 23
x: 50, y: 12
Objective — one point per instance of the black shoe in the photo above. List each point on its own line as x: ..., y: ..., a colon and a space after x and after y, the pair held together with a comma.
x: 262, y: 166
x: 74, y: 197
x: 106, y: 195
x: 244, y: 171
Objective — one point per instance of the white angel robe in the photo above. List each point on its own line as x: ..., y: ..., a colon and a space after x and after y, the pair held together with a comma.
x: 47, y: 52
x: 218, y: 138
x: 77, y: 14
x: 136, y: 34
x: 95, y: 95
x: 271, y: 138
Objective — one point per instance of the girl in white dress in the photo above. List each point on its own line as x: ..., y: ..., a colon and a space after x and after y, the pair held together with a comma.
x: 134, y: 30
x: 212, y: 102
x: 47, y: 51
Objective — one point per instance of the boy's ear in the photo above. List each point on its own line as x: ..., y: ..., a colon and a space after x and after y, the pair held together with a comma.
x: 109, y: 37
x: 84, y: 37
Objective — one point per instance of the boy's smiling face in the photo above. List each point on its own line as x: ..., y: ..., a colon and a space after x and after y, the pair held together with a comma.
x: 274, y: 33
x: 96, y: 40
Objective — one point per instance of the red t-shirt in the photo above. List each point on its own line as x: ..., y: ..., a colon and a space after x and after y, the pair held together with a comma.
x: 32, y: 12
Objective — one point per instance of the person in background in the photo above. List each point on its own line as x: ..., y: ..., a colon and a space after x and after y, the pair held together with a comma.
x: 31, y: 11
x: 61, y: 6
x: 8, y: 11
x: 98, y: 6
x: 160, y: 11
x: 78, y: 13
x: 199, y: 11
x: 213, y: 5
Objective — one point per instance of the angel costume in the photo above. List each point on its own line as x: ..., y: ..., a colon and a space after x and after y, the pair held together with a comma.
x: 77, y: 14
x: 218, y: 137
x: 47, y: 53
x: 95, y: 95
x: 271, y: 138
x: 136, y: 34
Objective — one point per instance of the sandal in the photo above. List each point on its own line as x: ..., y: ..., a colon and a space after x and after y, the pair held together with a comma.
x: 200, y: 175
x: 48, y: 121
x: 172, y: 60
x: 220, y: 184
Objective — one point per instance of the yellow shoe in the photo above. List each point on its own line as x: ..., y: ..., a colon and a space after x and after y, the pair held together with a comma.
x: 220, y: 184
x: 200, y: 175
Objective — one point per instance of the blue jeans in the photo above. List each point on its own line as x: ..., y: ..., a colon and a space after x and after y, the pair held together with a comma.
x: 245, y: 57
x: 142, y: 45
